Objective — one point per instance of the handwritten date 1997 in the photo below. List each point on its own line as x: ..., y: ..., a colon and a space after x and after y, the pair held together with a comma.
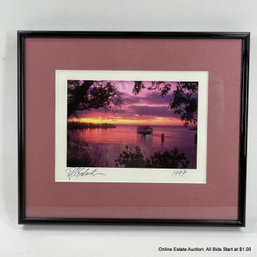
x: 179, y: 173
x: 81, y: 172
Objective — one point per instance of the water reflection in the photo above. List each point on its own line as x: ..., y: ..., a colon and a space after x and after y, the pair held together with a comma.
x: 145, y: 139
x: 105, y: 145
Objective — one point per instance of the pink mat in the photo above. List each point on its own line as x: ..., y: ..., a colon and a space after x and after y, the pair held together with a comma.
x: 218, y: 199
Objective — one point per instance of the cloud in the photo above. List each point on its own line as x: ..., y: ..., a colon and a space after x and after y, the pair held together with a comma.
x: 152, y: 98
x: 161, y: 111
x: 146, y: 103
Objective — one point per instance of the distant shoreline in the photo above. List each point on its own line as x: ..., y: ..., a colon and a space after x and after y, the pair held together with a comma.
x: 80, y: 125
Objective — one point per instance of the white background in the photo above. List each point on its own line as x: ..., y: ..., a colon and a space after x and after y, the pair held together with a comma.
x: 119, y: 15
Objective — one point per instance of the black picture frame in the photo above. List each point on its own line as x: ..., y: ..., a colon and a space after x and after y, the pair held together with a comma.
x: 23, y: 35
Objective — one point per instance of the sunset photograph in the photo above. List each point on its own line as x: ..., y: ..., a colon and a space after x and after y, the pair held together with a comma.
x: 132, y: 124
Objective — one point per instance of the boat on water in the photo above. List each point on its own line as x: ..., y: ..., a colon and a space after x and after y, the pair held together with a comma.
x: 144, y: 130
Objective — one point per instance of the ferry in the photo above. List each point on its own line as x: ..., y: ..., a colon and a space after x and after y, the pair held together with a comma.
x: 144, y: 130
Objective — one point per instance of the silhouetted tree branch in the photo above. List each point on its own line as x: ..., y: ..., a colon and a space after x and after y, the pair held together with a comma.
x: 183, y: 98
x: 88, y: 94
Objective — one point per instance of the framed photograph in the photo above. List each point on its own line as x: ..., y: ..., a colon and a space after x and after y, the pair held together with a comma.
x: 132, y: 127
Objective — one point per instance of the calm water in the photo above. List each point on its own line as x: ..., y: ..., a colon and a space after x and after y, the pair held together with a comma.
x: 107, y: 144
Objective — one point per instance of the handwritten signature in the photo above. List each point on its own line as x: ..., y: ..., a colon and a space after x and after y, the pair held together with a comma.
x: 82, y: 172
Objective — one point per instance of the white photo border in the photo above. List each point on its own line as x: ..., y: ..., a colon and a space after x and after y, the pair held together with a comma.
x: 128, y: 175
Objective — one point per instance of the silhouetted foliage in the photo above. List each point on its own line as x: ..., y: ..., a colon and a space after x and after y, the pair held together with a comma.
x: 184, y: 97
x: 78, y: 155
x: 134, y: 158
x: 88, y: 94
x: 168, y: 159
x: 184, y: 103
